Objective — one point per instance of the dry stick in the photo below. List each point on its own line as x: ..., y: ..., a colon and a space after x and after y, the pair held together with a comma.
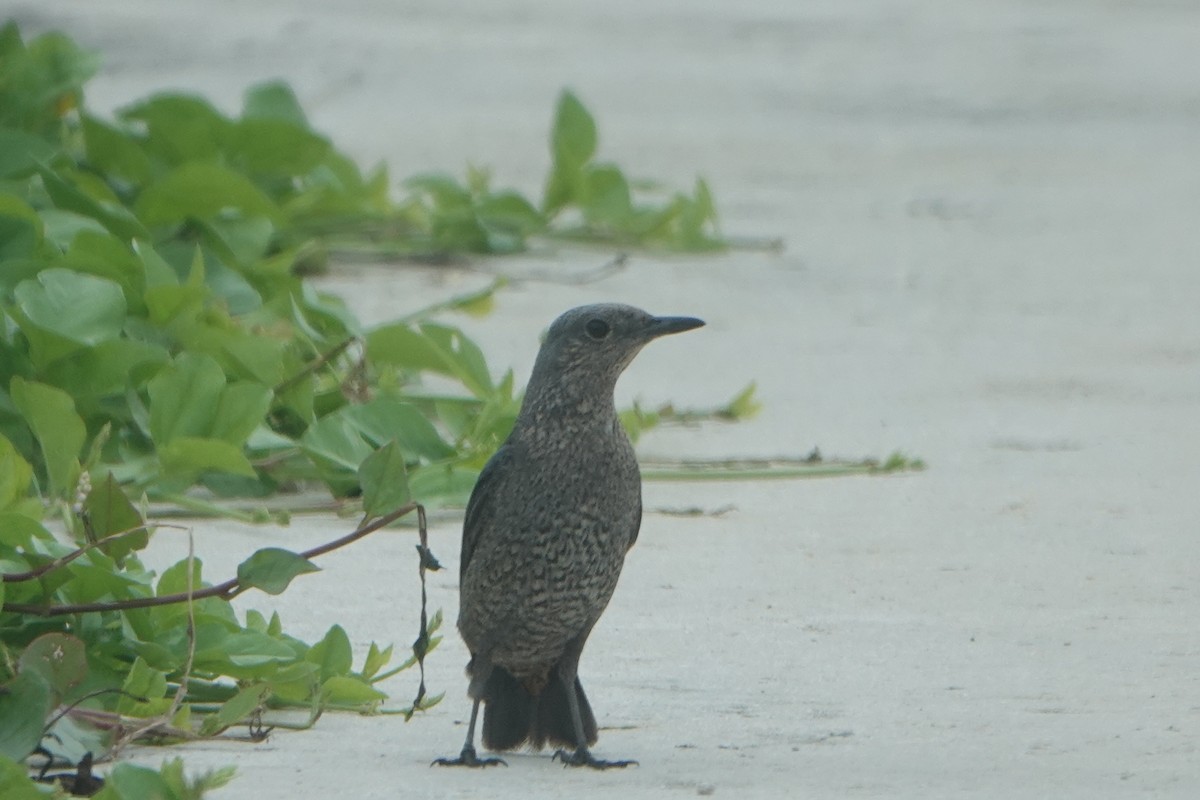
x: 456, y: 301
x: 100, y: 719
x: 227, y: 590
x: 610, y: 267
x: 163, y: 721
x: 109, y: 720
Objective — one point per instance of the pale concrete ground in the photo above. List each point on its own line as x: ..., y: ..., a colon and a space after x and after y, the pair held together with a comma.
x: 991, y: 214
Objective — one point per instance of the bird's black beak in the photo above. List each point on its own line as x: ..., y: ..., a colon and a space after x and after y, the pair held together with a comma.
x: 662, y: 326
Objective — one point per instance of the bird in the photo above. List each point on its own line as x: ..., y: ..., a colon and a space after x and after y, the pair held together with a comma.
x: 547, y: 527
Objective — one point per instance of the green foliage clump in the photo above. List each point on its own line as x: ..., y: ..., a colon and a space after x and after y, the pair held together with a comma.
x: 158, y: 346
x: 95, y: 649
x: 152, y: 309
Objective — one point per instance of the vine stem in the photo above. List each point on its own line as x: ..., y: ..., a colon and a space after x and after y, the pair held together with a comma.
x: 227, y: 590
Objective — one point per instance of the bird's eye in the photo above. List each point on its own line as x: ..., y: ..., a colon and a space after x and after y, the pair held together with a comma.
x: 597, y: 329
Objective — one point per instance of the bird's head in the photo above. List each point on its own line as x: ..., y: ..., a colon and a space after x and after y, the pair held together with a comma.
x: 587, y: 348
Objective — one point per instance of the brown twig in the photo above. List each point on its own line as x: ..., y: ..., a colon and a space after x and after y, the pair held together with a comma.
x: 312, y: 367
x: 425, y: 560
x: 62, y: 561
x: 74, y: 710
x: 227, y: 590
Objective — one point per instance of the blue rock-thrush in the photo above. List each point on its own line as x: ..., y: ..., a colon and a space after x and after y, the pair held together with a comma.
x: 546, y: 531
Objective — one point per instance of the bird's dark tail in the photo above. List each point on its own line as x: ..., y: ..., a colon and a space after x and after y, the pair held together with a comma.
x: 552, y: 723
x: 513, y: 716
x: 508, y: 711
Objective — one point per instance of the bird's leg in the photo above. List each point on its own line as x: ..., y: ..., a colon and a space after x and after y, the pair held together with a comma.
x: 582, y: 757
x: 468, y: 758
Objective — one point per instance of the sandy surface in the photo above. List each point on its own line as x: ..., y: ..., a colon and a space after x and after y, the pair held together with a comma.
x: 991, y: 213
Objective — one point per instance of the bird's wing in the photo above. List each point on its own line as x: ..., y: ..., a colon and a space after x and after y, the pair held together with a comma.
x: 479, y: 507
x: 637, y: 523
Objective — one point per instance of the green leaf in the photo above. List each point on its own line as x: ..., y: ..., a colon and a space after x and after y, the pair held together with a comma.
x: 744, y: 405
x: 437, y: 348
x: 109, y: 511
x: 79, y: 310
x: 42, y: 81
x: 243, y: 241
x: 107, y: 370
x: 61, y: 227
x: 272, y: 569
x: 188, y: 456
x: 457, y: 231
x: 21, y: 153
x: 193, y: 788
x: 240, y: 409
x: 241, y: 652
x: 15, y: 477
x: 24, y: 704
x: 174, y: 579
x: 145, y: 690
x: 299, y: 672
x: 179, y: 128
x: 606, y: 199
x: 510, y: 212
x: 384, y: 481
x: 400, y: 345
x: 237, y: 708
x: 115, y: 151
x: 67, y: 190
x: 387, y: 418
x: 15, y: 779
x: 344, y: 690
x: 50, y: 414
x: 331, y: 654
x: 276, y: 147
x: 337, y: 448
x: 340, y: 442
x: 240, y: 353
x: 448, y: 483
x: 273, y: 100
x: 572, y: 144
x: 176, y: 306
x: 573, y: 140
x: 131, y: 782
x: 463, y: 356
x: 158, y: 271
x: 184, y: 397
x: 20, y: 231
x: 59, y: 658
x: 446, y: 192
x: 94, y: 575
x: 254, y: 356
x: 20, y: 529
x: 376, y: 660
x: 105, y: 256
x: 201, y: 191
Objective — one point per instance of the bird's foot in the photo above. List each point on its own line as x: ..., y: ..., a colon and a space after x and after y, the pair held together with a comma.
x: 582, y: 757
x: 467, y: 758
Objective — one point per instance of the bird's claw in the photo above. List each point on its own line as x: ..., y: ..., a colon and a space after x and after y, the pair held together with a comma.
x: 468, y: 758
x: 582, y: 757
